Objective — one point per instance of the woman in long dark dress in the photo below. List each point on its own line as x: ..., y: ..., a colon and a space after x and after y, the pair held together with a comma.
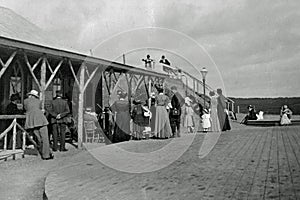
x: 162, y: 122
x: 37, y: 123
x: 222, y: 115
x: 122, y: 120
x: 152, y: 110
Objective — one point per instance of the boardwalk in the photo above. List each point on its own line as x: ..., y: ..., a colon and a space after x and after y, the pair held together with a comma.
x: 246, y: 163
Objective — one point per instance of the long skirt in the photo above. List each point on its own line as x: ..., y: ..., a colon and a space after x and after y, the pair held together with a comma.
x: 223, y: 119
x: 152, y: 122
x: 162, y: 123
x: 122, y: 127
x: 285, y: 120
x: 215, y: 124
x: 189, y: 121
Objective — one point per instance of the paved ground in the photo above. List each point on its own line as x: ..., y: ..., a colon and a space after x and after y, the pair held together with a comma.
x: 25, y: 178
x: 246, y: 163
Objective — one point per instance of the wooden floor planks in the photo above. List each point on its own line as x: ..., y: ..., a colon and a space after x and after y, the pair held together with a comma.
x: 255, y: 163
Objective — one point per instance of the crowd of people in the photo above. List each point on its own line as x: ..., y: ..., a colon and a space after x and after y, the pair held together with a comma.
x: 162, y: 118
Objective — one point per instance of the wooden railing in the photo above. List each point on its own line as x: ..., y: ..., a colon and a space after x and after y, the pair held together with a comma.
x: 13, y: 126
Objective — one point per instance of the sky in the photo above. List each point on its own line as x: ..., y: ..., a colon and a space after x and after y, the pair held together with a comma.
x: 249, y: 47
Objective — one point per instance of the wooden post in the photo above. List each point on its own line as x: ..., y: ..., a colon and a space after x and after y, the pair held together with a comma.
x: 14, y: 137
x: 5, y: 142
x: 24, y: 140
x: 194, y: 88
x: 43, y: 83
x: 238, y: 109
x: 232, y: 106
x: 80, y: 105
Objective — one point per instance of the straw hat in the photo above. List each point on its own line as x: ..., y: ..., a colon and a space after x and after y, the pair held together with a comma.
x: 34, y: 93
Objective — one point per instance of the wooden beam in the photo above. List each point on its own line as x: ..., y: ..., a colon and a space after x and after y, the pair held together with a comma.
x: 53, y: 74
x: 147, y: 90
x: 31, y: 71
x: 106, y: 83
x: 80, y: 106
x: 138, y: 83
x: 36, y: 63
x: 73, y: 73
x: 7, y: 63
x: 49, y: 66
x: 43, y: 82
x: 12, y: 117
x: 90, y: 78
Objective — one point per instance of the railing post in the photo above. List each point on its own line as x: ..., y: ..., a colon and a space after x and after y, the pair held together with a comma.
x: 14, y: 137
x: 23, y: 140
x: 5, y: 142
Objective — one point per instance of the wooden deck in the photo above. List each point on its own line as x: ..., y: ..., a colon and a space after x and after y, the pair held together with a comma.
x: 246, y: 163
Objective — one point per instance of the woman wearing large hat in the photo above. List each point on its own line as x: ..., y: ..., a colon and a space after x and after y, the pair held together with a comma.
x: 37, y: 123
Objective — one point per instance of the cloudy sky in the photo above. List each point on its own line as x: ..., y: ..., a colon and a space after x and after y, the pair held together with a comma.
x: 250, y: 47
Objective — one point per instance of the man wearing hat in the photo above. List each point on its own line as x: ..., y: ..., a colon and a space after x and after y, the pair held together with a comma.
x: 59, y: 112
x: 36, y: 122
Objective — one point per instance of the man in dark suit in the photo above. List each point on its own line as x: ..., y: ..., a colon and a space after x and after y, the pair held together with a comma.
x: 177, y: 102
x: 59, y: 113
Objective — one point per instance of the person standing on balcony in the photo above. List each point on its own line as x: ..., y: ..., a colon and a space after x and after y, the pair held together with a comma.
x: 59, y: 119
x: 177, y: 102
x: 148, y: 62
x: 165, y: 61
x: 36, y: 122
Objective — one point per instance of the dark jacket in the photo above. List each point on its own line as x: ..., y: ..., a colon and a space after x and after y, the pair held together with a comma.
x: 177, y: 102
x: 59, y: 106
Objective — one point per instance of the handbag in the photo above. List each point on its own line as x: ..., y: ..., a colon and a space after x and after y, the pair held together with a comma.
x: 175, y: 112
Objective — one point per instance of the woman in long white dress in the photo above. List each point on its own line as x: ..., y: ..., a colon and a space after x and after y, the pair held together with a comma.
x: 189, y: 117
x: 285, y: 115
x: 215, y: 124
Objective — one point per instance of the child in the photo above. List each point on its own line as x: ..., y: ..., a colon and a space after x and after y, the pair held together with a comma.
x: 206, y: 120
x: 138, y: 119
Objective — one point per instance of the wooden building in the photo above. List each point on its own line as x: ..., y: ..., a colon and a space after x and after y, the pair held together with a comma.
x: 83, y: 79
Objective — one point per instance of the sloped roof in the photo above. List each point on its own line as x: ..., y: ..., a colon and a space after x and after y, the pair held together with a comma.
x: 17, y: 27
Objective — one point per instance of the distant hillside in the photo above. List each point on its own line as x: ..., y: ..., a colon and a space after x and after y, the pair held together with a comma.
x: 268, y: 105
x: 17, y: 27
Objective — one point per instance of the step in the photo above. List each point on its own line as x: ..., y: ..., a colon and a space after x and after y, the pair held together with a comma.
x: 5, y: 154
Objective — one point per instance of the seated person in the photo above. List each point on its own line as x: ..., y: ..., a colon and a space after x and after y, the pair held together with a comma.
x: 260, y: 115
x: 285, y: 115
x: 250, y: 116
